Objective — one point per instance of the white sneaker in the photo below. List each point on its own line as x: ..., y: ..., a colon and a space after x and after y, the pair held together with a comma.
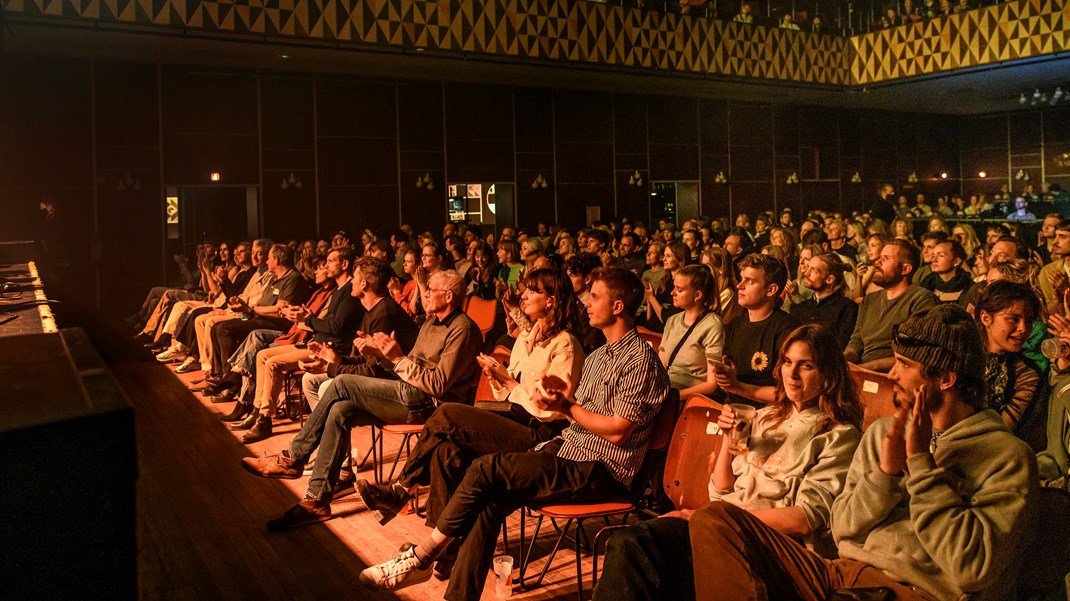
x: 168, y: 355
x: 186, y: 366
x: 400, y: 571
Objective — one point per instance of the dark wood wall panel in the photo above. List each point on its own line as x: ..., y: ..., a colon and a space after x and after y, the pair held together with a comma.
x: 354, y: 208
x: 573, y: 200
x: 128, y: 143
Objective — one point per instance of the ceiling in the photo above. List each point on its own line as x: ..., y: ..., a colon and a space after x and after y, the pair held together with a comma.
x: 992, y: 89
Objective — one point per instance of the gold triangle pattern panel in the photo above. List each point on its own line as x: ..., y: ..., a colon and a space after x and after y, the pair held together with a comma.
x: 1002, y: 32
x: 588, y: 32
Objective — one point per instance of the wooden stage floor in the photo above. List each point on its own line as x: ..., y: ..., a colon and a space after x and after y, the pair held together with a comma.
x: 201, y: 517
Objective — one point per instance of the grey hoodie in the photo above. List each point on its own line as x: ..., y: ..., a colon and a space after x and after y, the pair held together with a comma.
x: 954, y: 525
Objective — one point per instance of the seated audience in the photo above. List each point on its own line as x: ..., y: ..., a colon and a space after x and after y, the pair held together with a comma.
x: 595, y: 459
x: 787, y: 475
x: 455, y: 435
x: 947, y: 280
x: 870, y: 345
x: 694, y: 334
x: 904, y: 496
x: 753, y: 339
x: 440, y: 368
x: 829, y: 305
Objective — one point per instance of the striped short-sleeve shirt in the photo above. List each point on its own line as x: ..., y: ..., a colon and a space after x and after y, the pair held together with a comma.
x: 623, y: 379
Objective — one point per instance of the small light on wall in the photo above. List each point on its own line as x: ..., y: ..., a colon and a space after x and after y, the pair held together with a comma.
x: 215, y: 176
x: 720, y: 178
x: 1022, y: 176
x: 793, y: 179
x: 856, y: 178
x: 635, y: 179
x: 913, y: 177
x: 982, y: 174
x: 293, y: 180
x: 425, y: 182
x: 539, y: 182
x: 943, y: 175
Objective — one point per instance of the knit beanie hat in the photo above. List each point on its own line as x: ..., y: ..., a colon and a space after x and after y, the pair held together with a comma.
x: 945, y: 338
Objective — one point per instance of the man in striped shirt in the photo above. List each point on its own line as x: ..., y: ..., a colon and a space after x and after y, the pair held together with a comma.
x: 596, y: 458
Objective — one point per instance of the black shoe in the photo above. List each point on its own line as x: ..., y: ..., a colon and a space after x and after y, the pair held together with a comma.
x: 238, y: 413
x: 248, y: 422
x: 446, y: 561
x: 143, y: 338
x: 261, y: 430
x: 387, y: 500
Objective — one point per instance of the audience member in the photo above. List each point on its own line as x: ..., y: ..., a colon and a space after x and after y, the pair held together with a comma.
x: 829, y: 305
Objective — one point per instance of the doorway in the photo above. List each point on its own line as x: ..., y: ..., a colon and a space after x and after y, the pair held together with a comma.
x: 675, y: 202
x: 488, y: 205
x: 196, y: 213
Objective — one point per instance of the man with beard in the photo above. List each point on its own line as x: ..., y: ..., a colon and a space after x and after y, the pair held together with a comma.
x: 871, y: 343
x: 824, y: 275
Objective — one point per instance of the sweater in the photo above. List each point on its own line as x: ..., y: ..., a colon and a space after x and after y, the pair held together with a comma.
x: 442, y: 362
x: 796, y: 463
x: 872, y: 336
x: 956, y: 523
x: 834, y: 311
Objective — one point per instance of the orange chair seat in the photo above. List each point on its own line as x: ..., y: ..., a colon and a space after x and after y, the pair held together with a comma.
x: 584, y: 511
x: 403, y: 428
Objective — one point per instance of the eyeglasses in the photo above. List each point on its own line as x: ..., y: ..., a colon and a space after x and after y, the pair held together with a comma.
x: 904, y: 340
x: 430, y: 290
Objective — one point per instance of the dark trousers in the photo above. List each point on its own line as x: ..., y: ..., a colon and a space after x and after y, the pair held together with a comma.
x: 496, y: 486
x: 650, y: 560
x: 744, y: 556
x: 455, y: 435
x: 226, y: 337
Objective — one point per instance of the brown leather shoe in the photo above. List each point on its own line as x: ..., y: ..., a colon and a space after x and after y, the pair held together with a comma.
x: 308, y: 511
x: 261, y: 430
x: 272, y: 466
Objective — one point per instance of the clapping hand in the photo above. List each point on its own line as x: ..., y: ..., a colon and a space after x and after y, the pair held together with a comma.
x: 552, y: 394
x: 492, y: 369
x: 387, y: 345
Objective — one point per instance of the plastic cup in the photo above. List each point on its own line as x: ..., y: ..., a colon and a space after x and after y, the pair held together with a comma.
x: 503, y: 576
x: 741, y: 430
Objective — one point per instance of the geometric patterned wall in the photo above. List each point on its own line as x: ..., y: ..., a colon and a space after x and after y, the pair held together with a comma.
x: 543, y: 30
x: 992, y: 34
x: 594, y: 33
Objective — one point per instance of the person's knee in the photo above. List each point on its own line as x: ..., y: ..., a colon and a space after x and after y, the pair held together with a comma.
x: 626, y: 543
x: 713, y: 516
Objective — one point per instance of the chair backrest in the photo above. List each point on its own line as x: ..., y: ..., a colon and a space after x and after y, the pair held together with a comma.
x: 695, y: 440
x: 482, y: 312
x: 652, y: 337
x: 483, y: 391
x: 876, y: 392
x: 664, y: 422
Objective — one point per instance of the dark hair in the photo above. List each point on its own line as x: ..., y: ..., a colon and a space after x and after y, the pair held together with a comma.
x: 957, y: 250
x: 774, y: 272
x: 601, y: 235
x: 582, y: 263
x: 554, y: 284
x: 702, y: 280
x: 345, y: 254
x: 376, y: 272
x: 445, y: 257
x: 838, y: 398
x: 815, y: 236
x: 745, y: 242
x: 1002, y: 294
x: 939, y: 236
x: 622, y: 285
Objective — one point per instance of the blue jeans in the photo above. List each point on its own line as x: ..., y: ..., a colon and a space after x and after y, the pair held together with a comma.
x: 349, y: 401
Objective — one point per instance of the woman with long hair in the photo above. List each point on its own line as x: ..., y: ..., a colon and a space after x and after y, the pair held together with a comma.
x: 1005, y: 312
x: 967, y: 237
x: 787, y: 471
x: 901, y: 229
x: 566, y: 246
x: 457, y: 434
x: 694, y: 334
x: 530, y: 250
x: 481, y: 275
x: 659, y: 298
x: 785, y: 238
x: 720, y: 263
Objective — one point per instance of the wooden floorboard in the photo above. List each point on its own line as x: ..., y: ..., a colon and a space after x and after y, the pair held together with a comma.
x: 201, y: 517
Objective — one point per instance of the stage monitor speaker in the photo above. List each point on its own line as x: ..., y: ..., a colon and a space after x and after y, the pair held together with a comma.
x: 67, y: 509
